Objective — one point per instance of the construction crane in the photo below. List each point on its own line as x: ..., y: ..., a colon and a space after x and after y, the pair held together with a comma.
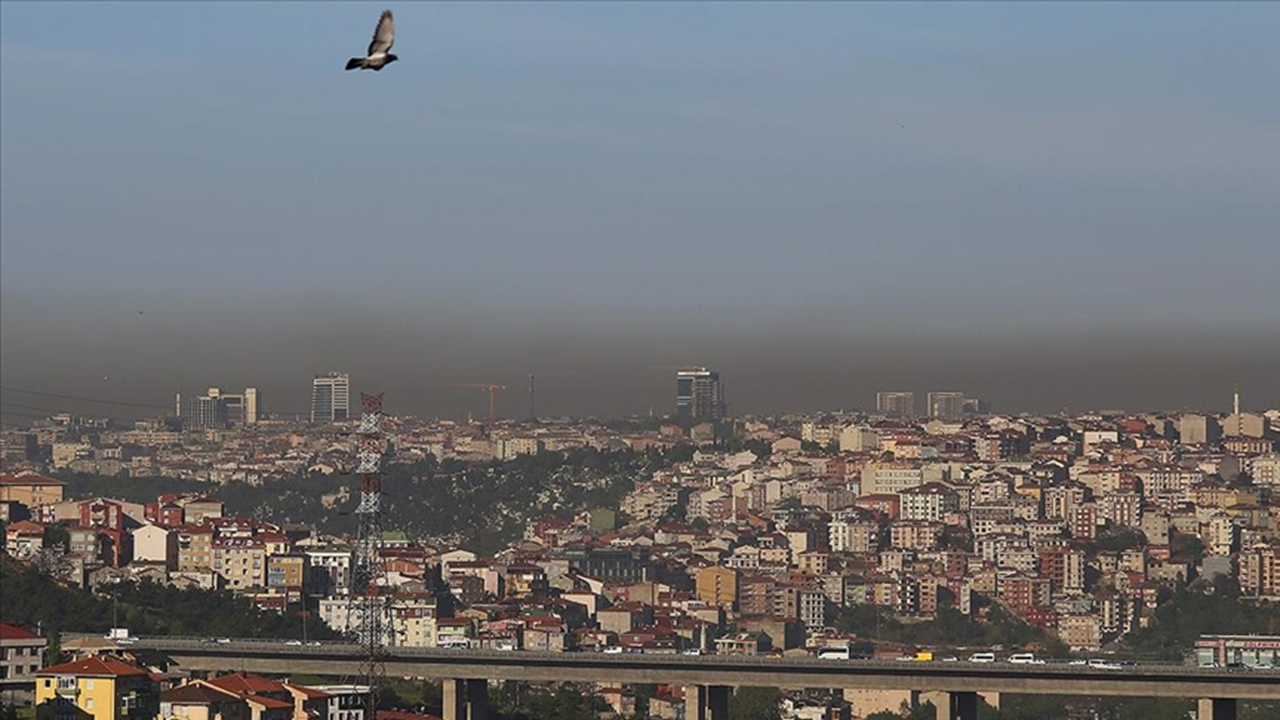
x: 492, y: 388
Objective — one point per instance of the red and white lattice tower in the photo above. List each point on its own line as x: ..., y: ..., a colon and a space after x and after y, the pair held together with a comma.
x: 369, y: 607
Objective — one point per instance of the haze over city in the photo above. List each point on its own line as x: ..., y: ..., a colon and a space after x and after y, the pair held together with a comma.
x: 1046, y: 205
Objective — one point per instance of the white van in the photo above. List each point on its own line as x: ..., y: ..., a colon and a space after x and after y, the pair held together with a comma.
x: 1025, y: 659
x: 982, y: 657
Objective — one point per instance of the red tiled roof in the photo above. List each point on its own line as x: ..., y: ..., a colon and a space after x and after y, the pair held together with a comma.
x: 24, y: 526
x: 243, y: 683
x: 269, y: 703
x: 196, y: 693
x: 97, y: 667
x: 28, y: 479
x: 9, y: 631
x: 310, y: 693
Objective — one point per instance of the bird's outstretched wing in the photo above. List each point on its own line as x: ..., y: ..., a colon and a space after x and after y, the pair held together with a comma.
x: 384, y: 36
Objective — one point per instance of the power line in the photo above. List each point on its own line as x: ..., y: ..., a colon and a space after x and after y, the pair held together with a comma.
x: 54, y: 410
x: 37, y: 408
x: 77, y: 398
x: 48, y: 414
x: 122, y: 403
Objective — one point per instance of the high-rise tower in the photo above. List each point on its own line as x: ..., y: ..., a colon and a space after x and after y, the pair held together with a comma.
x: 946, y: 405
x: 330, y: 397
x: 699, y: 394
x: 896, y: 404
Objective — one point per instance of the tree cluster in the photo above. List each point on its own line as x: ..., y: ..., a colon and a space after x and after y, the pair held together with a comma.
x: 146, y: 608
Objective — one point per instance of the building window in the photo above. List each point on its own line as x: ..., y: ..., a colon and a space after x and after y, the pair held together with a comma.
x: 88, y: 684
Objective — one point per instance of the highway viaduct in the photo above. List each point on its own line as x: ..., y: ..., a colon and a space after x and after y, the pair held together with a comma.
x: 465, y: 674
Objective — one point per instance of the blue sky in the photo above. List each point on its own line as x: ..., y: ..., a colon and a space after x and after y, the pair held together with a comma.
x: 912, y: 168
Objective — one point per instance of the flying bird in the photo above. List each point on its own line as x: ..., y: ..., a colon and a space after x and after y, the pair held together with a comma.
x: 378, y: 57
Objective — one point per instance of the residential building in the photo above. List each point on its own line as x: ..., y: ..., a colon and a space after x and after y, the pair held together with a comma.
x: 896, y: 404
x: 200, y: 701
x: 152, y: 543
x: 20, y: 658
x: 946, y: 405
x: 30, y: 489
x: 858, y: 438
x: 1198, y: 429
x: 24, y: 539
x: 102, y: 687
x: 717, y: 586
x: 932, y: 502
x: 1260, y: 571
x: 195, y: 548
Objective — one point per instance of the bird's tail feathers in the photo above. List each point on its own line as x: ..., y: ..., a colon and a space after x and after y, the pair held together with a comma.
x: 354, y: 63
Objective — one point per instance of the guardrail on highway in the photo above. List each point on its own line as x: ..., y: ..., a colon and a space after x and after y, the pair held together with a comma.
x: 333, y: 649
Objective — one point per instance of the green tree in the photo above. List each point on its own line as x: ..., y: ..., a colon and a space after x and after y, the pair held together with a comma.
x: 755, y: 703
x: 53, y: 648
x: 145, y: 608
x: 1201, y: 608
x: 644, y: 692
x: 1119, y: 539
x: 1186, y: 545
x: 924, y: 711
x: 1242, y: 481
x: 57, y: 536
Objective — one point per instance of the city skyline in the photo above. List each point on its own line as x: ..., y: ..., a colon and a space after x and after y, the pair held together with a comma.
x: 1049, y: 206
x: 322, y: 407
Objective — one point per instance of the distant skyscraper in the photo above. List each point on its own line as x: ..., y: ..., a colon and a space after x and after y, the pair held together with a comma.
x: 976, y: 406
x: 250, y: 405
x: 330, y: 397
x: 699, y: 394
x: 203, y: 412
x: 896, y: 404
x: 217, y: 409
x: 946, y: 405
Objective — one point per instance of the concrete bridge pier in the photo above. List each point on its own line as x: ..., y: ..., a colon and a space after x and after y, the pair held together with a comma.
x: 961, y: 706
x: 465, y: 699
x: 707, y: 702
x: 1216, y: 709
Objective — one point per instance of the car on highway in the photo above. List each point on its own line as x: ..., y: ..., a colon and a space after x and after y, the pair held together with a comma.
x: 294, y: 642
x: 982, y: 657
x: 1024, y: 659
x: 1101, y: 664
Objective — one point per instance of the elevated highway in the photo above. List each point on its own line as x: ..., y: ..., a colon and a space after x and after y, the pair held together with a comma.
x: 465, y: 673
